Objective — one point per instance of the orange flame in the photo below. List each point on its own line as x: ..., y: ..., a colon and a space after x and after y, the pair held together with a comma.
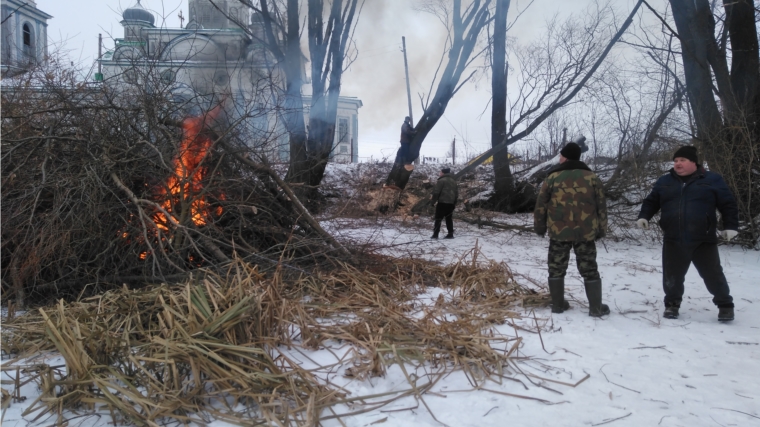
x: 185, y: 184
x: 184, y: 196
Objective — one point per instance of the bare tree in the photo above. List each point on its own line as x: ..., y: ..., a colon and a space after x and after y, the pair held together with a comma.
x: 725, y: 97
x: 328, y: 50
x: 464, y: 27
x: 328, y: 45
x: 282, y: 38
x: 553, y: 72
x: 657, y: 88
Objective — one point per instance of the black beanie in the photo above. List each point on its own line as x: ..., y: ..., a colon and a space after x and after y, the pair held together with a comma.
x: 687, y: 152
x: 571, y: 151
x: 446, y: 170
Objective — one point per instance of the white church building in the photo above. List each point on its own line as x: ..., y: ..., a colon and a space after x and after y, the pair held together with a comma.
x: 214, y: 58
x: 24, y: 35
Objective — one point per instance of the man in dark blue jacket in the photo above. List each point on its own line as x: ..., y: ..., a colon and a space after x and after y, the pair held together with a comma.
x: 687, y: 197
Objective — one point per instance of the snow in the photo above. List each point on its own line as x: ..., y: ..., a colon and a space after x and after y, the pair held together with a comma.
x: 643, y: 370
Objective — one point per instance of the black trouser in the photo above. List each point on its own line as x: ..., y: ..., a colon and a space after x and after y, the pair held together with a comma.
x: 444, y: 210
x: 676, y: 258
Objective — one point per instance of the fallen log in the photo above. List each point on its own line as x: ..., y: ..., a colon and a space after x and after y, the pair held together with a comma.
x: 480, y: 222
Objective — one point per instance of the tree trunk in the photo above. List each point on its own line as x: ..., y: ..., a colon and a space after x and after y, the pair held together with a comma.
x: 293, y: 115
x: 503, y: 182
x: 727, y: 136
x: 693, y: 38
x: 745, y: 63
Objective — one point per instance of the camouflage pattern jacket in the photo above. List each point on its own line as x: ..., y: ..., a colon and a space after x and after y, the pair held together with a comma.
x: 571, y: 204
x: 446, y: 190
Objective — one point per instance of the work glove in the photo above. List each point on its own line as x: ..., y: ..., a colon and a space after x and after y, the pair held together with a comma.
x: 643, y: 224
x: 728, y: 234
x: 600, y: 235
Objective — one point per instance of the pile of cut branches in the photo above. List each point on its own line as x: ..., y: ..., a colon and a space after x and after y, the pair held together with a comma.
x: 213, y: 347
x: 104, y: 186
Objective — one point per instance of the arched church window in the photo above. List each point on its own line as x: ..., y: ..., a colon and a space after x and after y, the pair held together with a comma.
x: 234, y: 15
x: 27, y: 36
x: 28, y: 40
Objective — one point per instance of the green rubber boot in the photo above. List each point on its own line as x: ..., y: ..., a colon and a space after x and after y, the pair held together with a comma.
x: 557, y: 291
x: 594, y: 295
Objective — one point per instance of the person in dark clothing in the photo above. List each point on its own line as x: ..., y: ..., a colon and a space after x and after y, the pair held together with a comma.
x: 687, y: 197
x: 572, y: 208
x: 445, y: 194
x: 402, y: 155
x: 407, y: 134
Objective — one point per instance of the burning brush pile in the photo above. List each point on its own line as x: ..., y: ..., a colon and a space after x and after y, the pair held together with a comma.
x: 96, y: 194
x: 217, y: 346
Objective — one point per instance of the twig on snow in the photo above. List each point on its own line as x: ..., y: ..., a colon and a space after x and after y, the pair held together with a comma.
x: 608, y: 380
x: 538, y: 329
x: 614, y: 419
x: 734, y: 410
x: 662, y: 347
x: 489, y: 411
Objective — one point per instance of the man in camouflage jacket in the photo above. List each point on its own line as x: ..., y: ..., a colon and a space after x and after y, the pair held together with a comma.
x: 445, y: 194
x: 572, y: 208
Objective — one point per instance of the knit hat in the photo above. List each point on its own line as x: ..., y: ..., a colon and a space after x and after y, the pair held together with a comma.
x: 687, y: 152
x: 571, y: 151
x: 446, y: 170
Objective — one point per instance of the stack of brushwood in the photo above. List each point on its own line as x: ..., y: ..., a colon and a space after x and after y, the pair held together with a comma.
x: 222, y: 345
x: 103, y: 187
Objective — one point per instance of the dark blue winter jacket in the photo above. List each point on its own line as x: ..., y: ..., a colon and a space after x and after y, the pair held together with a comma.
x: 688, y: 208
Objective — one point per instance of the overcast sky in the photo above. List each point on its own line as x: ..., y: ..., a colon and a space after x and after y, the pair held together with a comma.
x: 376, y: 77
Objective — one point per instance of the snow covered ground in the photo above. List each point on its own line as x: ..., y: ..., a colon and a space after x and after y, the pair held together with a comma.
x: 693, y: 371
x: 642, y: 370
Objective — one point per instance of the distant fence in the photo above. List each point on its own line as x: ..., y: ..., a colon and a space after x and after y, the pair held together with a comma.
x: 436, y: 160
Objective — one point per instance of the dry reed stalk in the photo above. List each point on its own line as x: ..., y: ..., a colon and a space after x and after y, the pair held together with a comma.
x: 5, y: 402
x: 208, y: 348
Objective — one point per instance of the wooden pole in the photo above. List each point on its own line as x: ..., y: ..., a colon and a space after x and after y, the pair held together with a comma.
x: 454, y: 151
x: 406, y: 69
x: 408, y: 90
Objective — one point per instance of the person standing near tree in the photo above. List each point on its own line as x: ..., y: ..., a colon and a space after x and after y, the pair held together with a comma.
x: 572, y: 208
x: 688, y: 197
x: 445, y: 194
